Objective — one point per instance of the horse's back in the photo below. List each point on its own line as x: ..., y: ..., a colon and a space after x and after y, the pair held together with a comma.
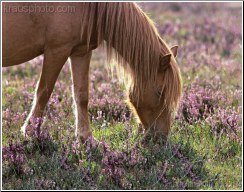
x: 29, y: 28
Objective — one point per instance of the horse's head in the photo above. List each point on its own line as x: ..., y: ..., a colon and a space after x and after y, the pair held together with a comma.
x: 157, y: 101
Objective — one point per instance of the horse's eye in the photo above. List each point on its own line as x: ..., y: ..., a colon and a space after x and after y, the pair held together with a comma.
x: 159, y: 93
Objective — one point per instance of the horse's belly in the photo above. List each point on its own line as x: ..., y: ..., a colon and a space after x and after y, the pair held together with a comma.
x: 21, y: 56
x: 22, y: 38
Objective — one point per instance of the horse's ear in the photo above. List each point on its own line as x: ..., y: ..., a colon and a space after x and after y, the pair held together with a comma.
x: 164, y: 62
x: 174, y: 50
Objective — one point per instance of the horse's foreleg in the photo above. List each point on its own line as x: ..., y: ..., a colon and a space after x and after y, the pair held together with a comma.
x: 54, y: 60
x: 80, y: 74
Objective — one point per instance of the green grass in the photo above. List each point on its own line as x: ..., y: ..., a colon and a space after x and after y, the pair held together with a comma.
x: 192, y: 158
x: 216, y: 163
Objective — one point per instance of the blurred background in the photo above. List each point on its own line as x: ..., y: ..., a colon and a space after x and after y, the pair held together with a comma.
x: 204, y: 148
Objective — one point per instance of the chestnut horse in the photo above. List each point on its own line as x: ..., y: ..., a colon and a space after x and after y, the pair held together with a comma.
x: 127, y: 34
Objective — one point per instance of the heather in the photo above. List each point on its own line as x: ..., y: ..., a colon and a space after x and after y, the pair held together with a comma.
x: 204, y: 149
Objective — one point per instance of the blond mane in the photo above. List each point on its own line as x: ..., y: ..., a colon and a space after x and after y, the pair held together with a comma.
x: 132, y: 39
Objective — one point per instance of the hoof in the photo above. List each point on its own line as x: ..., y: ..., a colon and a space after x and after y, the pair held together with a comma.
x: 32, y: 127
x: 84, y: 137
x: 27, y: 131
x: 153, y: 139
x: 91, y: 143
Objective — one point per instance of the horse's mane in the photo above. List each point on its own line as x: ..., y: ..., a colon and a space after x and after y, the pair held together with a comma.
x: 132, y: 38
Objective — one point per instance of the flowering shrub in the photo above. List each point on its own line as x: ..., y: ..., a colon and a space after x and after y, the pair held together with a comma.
x: 14, y: 155
x: 203, y: 150
x: 225, y: 121
x: 197, y: 103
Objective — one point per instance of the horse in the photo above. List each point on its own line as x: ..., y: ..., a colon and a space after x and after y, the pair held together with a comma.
x: 127, y: 34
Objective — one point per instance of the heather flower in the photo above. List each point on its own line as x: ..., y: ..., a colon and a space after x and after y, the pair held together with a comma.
x: 14, y: 155
x: 225, y: 121
x: 86, y: 174
x: 162, y: 173
x: 91, y: 144
x: 198, y: 103
x: 64, y: 158
x: 182, y: 185
x: 75, y: 147
x: 210, y: 59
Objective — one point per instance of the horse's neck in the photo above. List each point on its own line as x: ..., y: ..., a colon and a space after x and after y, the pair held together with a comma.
x: 130, y: 32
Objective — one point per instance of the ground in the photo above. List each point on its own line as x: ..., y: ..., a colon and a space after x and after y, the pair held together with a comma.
x: 204, y: 149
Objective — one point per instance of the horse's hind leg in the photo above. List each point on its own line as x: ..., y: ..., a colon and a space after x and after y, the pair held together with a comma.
x: 54, y: 60
x: 80, y: 75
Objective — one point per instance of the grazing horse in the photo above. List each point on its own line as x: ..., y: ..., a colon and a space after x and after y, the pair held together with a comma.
x: 127, y: 34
